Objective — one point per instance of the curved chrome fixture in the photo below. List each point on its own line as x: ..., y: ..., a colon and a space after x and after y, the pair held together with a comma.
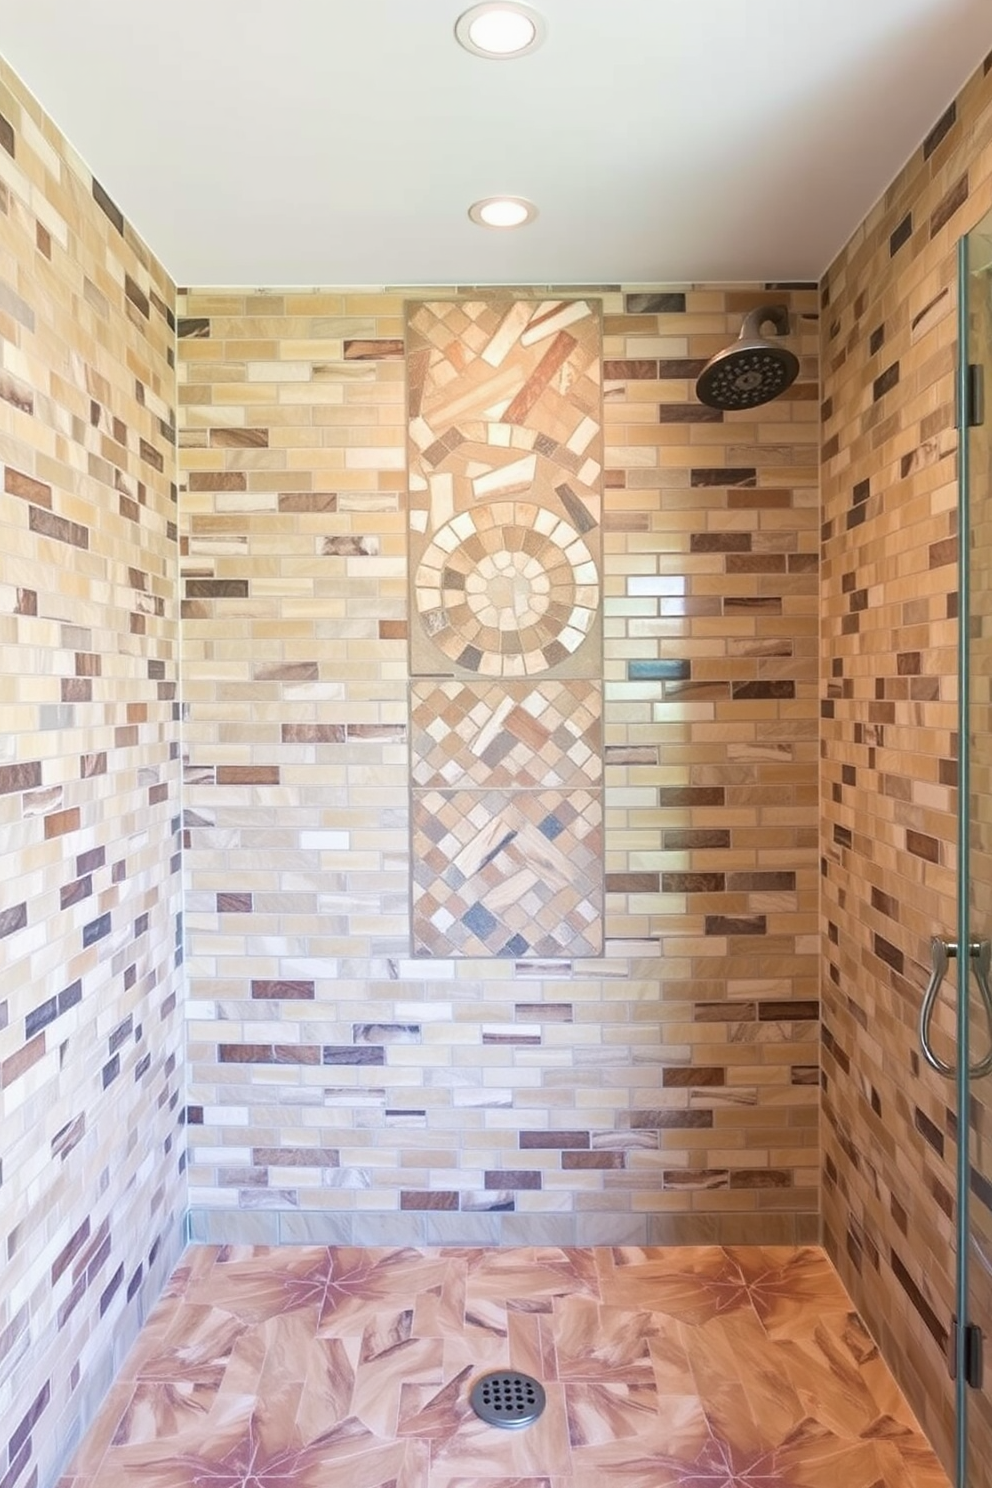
x: 941, y: 953
x: 753, y: 370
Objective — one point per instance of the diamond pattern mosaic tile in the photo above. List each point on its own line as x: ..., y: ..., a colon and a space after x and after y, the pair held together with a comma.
x: 505, y: 457
x: 506, y: 734
x: 512, y: 874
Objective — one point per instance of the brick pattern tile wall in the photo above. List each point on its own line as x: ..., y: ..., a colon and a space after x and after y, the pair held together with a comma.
x: 341, y: 1089
x: 889, y: 604
x: 91, y: 1192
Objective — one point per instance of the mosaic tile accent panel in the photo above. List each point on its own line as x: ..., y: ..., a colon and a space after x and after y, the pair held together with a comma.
x: 681, y: 1368
x: 505, y: 509
x: 508, y: 734
x: 507, y: 874
x: 505, y: 506
x: 344, y: 1091
x: 889, y: 727
x: 92, y: 1149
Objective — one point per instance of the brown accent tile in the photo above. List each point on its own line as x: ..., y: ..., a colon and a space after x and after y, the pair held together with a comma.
x: 313, y: 733
x: 438, y: 1200
x: 60, y: 822
x: 553, y: 1139
x: 591, y: 1161
x: 268, y: 1054
x: 760, y: 1178
x: 19, y: 777
x: 280, y: 990
x: 240, y: 438
x: 632, y: 883
x: 629, y: 370
x: 377, y: 351
x: 47, y: 524
x: 776, y: 1011
x: 671, y: 1120
x: 16, y: 483
x: 736, y: 924
x: 922, y: 845
x: 217, y: 588
x: 511, y: 1178
x: 695, y: 1179
x: 234, y: 904
x: 675, y: 1077
x: 247, y: 774
x: 950, y: 203
x: 693, y: 883
x: 217, y: 480
x: 21, y: 1061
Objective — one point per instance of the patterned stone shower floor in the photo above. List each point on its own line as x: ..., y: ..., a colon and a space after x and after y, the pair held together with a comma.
x: 311, y: 1367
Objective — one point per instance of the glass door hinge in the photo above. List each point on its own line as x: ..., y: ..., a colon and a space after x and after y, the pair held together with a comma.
x: 973, y: 1350
x: 973, y: 413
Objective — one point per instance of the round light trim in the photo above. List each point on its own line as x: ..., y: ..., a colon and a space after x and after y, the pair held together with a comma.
x: 502, y: 211
x: 500, y: 30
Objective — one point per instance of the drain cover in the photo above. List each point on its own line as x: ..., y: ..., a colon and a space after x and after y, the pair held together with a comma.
x: 507, y: 1399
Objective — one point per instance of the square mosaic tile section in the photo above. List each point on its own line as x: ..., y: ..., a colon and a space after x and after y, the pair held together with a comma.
x: 505, y: 469
x: 510, y: 735
x: 514, y: 874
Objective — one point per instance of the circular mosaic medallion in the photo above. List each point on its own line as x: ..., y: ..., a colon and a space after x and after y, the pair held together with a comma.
x: 509, y: 590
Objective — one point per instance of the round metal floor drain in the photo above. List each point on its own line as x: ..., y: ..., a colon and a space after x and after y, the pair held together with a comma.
x: 507, y: 1399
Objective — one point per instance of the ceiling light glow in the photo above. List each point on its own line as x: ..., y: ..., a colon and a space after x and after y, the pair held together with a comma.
x: 500, y: 31
x: 502, y: 211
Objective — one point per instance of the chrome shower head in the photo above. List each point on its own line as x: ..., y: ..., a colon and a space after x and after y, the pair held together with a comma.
x: 753, y: 370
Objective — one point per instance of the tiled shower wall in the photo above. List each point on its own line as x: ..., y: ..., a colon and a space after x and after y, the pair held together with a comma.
x: 91, y: 1192
x: 889, y: 666
x: 341, y: 1089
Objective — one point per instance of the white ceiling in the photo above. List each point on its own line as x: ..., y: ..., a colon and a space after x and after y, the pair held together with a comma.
x: 342, y: 141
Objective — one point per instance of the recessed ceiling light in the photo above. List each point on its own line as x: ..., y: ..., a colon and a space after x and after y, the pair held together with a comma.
x: 500, y: 30
x: 502, y: 211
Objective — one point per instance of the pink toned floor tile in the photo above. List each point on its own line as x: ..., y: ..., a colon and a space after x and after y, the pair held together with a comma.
x: 596, y: 1342
x: 159, y: 1409
x: 609, y: 1411
x: 379, y: 1384
x: 525, y: 1347
x: 442, y: 1480
x: 691, y: 1285
x: 475, y: 1448
x: 433, y: 1414
x: 439, y: 1311
x: 348, y: 1368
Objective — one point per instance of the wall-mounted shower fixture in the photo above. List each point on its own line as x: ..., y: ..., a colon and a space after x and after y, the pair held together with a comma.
x: 753, y: 370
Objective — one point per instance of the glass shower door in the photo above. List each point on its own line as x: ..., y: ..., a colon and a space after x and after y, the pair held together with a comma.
x: 974, y: 931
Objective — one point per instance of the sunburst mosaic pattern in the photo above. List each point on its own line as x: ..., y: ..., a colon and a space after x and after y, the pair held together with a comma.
x: 509, y: 735
x: 514, y: 874
x: 505, y: 464
x: 505, y: 506
x: 344, y: 1368
x: 511, y: 590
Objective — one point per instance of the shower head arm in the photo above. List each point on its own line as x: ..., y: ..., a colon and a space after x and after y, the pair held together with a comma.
x: 778, y: 315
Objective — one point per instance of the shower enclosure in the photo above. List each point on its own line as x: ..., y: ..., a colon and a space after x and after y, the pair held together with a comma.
x: 969, y: 1065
